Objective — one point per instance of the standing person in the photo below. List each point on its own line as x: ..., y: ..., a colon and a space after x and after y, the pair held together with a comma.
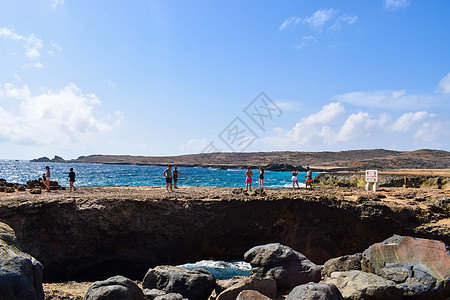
x: 308, y: 178
x: 261, y: 177
x: 47, y: 178
x: 294, y: 178
x: 71, y: 180
x: 168, y: 174
x: 248, y: 180
x: 175, y: 176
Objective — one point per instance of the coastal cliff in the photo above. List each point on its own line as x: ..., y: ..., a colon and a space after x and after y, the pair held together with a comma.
x: 102, y: 231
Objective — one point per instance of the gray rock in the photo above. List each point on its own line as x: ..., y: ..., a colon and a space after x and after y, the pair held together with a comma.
x: 265, y: 286
x: 342, y: 263
x: 114, y: 288
x: 315, y: 291
x: 251, y: 295
x: 195, y: 284
x: 170, y: 296
x: 223, y: 284
x: 355, y: 285
x: 20, y: 273
x: 35, y: 191
x: 153, y: 293
x: 288, y: 267
x: 421, y: 267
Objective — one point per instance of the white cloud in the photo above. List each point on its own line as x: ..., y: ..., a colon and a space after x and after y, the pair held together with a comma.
x: 31, y: 43
x: 396, y: 4
x: 327, y: 114
x: 407, y: 121
x: 56, y: 3
x: 308, y: 130
x: 194, y: 145
x: 110, y: 83
x: 359, y: 126
x: 444, y: 84
x: 306, y: 41
x: 290, y: 21
x: 343, y: 20
x: 32, y: 53
x: 57, y: 118
x: 16, y: 93
x: 398, y: 99
x: 288, y: 105
x: 37, y: 65
x: 318, y: 19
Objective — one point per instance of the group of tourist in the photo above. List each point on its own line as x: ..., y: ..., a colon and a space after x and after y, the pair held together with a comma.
x: 71, y: 176
x: 170, y: 175
x: 249, y: 174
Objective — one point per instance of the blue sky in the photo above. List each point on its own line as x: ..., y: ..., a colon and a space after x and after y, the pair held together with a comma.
x: 176, y: 77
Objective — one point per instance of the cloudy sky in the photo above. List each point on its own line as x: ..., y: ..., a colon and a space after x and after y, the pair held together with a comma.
x: 174, y: 77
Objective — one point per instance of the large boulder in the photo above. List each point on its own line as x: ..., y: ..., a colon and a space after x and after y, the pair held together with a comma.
x: 251, y: 295
x: 342, y: 263
x: 194, y: 284
x: 265, y: 286
x: 114, y: 288
x: 355, y: 285
x: 315, y: 291
x: 421, y: 267
x: 288, y: 267
x: 20, y: 273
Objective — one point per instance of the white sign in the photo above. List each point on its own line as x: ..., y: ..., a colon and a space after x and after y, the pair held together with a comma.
x: 371, y: 175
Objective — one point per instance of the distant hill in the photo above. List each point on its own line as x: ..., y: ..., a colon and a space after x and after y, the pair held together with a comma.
x: 284, y: 160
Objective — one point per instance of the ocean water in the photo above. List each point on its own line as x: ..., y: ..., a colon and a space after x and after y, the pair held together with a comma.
x: 108, y: 175
x: 221, y: 269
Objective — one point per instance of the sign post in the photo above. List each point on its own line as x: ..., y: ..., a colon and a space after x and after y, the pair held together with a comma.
x: 372, y: 179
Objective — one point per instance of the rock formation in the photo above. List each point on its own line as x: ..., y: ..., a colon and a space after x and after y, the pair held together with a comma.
x: 288, y: 267
x: 20, y: 273
x: 100, y: 232
x: 192, y: 284
x: 114, y: 288
x: 421, y: 267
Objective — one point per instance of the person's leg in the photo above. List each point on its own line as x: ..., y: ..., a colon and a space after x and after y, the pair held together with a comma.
x: 47, y: 184
x: 170, y: 184
x: 70, y: 186
x: 250, y: 185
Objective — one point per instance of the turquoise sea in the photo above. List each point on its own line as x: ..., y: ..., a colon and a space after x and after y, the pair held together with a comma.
x: 107, y: 175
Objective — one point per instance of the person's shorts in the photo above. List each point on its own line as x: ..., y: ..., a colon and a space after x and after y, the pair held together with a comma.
x: 248, y: 180
x: 309, y: 180
x: 168, y: 179
x: 294, y: 178
x: 71, y: 180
